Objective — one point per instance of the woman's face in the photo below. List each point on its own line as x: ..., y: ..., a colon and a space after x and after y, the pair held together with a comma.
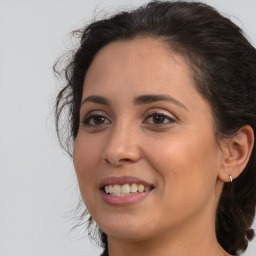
x: 145, y: 155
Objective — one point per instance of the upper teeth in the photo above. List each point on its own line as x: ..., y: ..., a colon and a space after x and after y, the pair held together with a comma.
x: 126, y: 189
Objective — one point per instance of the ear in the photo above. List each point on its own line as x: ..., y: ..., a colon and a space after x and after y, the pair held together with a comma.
x: 236, y: 153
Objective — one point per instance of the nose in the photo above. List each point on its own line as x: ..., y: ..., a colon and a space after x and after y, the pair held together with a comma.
x: 122, y: 147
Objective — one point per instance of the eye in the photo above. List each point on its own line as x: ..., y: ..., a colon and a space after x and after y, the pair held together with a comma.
x: 159, y: 119
x: 95, y: 120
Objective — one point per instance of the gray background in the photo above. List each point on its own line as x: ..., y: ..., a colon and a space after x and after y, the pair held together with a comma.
x: 38, y: 188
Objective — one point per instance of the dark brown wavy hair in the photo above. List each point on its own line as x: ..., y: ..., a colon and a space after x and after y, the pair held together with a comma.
x: 224, y: 69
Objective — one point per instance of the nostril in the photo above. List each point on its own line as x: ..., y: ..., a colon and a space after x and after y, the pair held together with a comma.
x: 125, y: 160
x: 118, y: 161
x: 107, y: 161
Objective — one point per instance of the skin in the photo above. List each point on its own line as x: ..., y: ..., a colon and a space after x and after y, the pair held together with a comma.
x: 180, y: 156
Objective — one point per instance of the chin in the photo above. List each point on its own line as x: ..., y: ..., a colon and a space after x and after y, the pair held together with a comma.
x: 129, y: 229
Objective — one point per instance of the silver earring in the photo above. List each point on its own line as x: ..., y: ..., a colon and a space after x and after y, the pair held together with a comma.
x: 230, y: 177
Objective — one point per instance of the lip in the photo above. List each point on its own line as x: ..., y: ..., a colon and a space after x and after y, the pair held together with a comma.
x: 112, y: 180
x: 124, y: 200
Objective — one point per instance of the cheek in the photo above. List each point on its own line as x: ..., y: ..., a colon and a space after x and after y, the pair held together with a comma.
x: 183, y: 155
x: 86, y: 158
x: 188, y: 166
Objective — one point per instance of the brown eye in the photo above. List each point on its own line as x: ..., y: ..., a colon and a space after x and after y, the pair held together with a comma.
x: 159, y: 119
x: 98, y: 120
x: 95, y: 120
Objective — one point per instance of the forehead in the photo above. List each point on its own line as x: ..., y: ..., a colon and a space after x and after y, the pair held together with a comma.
x: 139, y: 61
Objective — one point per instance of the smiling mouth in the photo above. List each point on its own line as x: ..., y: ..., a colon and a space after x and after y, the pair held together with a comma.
x: 126, y: 189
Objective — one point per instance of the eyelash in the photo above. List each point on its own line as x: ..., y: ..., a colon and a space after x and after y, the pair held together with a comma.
x: 162, y: 115
x: 93, y: 116
x: 88, y: 118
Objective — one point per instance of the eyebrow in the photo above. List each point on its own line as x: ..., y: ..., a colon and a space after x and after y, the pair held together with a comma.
x: 96, y: 99
x: 140, y: 100
x: 150, y: 98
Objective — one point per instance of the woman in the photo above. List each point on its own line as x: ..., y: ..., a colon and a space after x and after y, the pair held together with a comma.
x: 162, y: 113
